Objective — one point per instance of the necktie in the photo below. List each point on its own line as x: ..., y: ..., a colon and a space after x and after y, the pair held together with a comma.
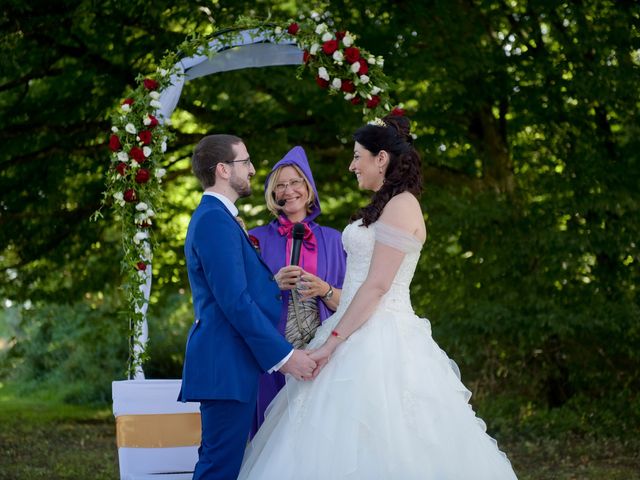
x: 241, y: 223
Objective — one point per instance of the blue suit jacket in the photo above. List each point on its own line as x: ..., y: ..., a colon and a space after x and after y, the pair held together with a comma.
x: 237, y: 305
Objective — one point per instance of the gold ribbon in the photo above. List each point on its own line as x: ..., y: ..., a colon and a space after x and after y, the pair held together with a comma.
x: 158, y: 430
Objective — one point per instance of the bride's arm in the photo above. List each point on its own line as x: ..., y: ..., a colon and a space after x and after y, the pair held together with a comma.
x: 403, y: 213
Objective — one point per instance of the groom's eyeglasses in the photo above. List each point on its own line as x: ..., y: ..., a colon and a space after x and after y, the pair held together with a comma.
x: 245, y: 161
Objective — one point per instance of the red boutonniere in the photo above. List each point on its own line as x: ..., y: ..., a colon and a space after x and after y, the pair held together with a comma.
x: 255, y: 242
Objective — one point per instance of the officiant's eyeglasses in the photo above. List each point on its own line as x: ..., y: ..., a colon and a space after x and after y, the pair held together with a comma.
x: 293, y: 183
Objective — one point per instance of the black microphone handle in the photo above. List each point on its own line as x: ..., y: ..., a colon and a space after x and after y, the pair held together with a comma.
x: 296, y: 245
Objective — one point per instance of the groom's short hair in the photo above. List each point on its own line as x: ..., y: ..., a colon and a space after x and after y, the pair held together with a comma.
x: 210, y: 151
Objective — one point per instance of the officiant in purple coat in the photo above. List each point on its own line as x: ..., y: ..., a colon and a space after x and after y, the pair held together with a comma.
x: 311, y: 290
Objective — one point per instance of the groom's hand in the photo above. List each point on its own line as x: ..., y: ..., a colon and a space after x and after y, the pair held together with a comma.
x: 300, y: 365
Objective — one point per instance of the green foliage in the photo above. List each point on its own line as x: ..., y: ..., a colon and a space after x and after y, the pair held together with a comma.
x: 73, y: 351
x: 526, y: 116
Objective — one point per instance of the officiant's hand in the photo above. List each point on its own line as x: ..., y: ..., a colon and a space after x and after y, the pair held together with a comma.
x: 300, y: 365
x: 287, y: 277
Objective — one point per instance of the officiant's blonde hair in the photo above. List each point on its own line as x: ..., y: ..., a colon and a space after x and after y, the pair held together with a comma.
x: 270, y: 189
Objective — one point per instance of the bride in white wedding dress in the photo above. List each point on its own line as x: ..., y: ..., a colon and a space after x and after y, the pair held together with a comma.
x: 387, y: 403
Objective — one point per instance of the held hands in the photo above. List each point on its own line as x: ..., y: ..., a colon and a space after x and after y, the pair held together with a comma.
x: 321, y: 355
x: 300, y: 366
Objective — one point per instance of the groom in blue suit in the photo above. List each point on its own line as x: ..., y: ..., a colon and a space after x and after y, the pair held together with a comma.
x: 236, y: 304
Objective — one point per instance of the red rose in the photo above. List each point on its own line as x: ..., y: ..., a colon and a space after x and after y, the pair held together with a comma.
x: 145, y: 137
x: 306, y: 56
x: 128, y: 101
x: 141, y: 266
x: 137, y: 154
x: 142, y: 175
x: 154, y: 121
x: 255, y: 242
x: 356, y: 100
x: 352, y: 54
x: 348, y: 86
x: 150, y: 84
x: 114, y: 143
x: 121, y: 168
x: 340, y: 35
x: 373, y: 101
x: 364, y: 67
x: 130, y: 195
x: 322, y: 83
x: 293, y: 28
x: 330, y: 46
x: 399, y: 112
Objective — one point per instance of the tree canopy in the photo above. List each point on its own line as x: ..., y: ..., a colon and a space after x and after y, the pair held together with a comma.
x: 526, y: 118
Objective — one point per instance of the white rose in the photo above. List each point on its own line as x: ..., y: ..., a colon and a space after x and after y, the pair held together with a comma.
x: 123, y: 156
x: 380, y: 62
x: 163, y: 147
x: 315, y: 15
x: 364, y: 79
x: 347, y: 41
x: 150, y: 213
x: 375, y: 90
x: 147, y: 121
x: 322, y: 73
x: 161, y: 172
x: 327, y: 36
x: 118, y: 196
x: 278, y: 30
x: 338, y: 56
x: 125, y: 107
x: 114, y: 129
x: 321, y: 28
x: 371, y: 60
x: 355, y: 67
x: 138, y: 237
x: 155, y: 104
x: 314, y: 48
x: 349, y: 96
x: 154, y: 95
x: 336, y: 83
x: 141, y: 206
x: 130, y: 128
x: 163, y: 72
x: 146, y: 151
x: 134, y: 164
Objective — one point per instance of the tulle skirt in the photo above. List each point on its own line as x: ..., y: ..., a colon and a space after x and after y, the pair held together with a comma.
x: 388, y: 405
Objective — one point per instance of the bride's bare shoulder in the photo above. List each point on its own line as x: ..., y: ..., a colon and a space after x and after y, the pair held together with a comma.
x: 403, y: 211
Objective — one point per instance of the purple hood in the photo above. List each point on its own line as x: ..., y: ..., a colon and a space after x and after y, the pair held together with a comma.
x: 297, y: 157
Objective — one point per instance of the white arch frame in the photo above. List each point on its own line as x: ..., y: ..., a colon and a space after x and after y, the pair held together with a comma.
x: 249, y: 49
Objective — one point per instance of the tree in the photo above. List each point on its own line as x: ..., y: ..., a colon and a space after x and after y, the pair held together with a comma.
x: 526, y: 116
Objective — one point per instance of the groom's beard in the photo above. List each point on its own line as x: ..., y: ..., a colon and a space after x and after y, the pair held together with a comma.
x: 241, y: 186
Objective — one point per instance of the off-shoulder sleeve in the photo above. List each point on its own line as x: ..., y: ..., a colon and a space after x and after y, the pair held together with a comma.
x: 396, y: 238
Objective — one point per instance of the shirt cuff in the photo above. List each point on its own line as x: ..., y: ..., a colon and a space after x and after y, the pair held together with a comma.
x: 279, y: 365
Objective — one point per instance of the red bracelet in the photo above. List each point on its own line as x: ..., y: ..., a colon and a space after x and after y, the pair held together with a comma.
x: 337, y: 335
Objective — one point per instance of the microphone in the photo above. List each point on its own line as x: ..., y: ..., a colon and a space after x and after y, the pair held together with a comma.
x: 298, y: 235
x: 281, y: 202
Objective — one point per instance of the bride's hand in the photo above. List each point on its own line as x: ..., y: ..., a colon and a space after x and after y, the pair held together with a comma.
x: 322, y: 355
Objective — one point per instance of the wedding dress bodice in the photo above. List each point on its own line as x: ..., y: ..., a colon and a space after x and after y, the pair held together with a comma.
x: 359, y: 242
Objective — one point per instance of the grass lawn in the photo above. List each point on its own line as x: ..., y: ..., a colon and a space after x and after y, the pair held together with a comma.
x: 44, y: 439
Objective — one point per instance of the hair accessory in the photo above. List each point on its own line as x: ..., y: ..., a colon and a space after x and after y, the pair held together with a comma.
x: 378, y: 122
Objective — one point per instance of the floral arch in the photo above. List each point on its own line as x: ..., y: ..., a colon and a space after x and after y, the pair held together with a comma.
x: 141, y: 125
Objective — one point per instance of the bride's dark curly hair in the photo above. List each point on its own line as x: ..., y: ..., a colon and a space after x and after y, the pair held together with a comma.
x: 404, y: 171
